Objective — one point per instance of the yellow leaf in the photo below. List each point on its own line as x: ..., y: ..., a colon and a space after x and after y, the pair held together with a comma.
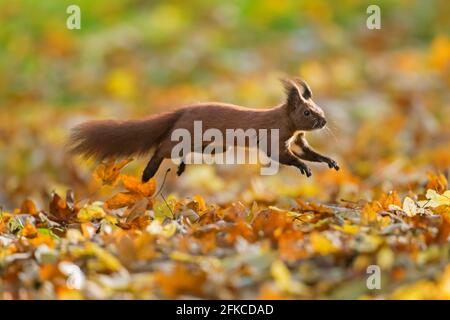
x: 167, y: 230
x: 111, y: 219
x: 90, y: 212
x: 385, y: 258
x: 201, y: 202
x: 439, y: 55
x: 321, y: 244
x: 105, y: 260
x: 420, y: 290
x: 283, y: 279
x: 121, y: 83
x: 164, y: 209
x: 435, y: 199
x: 370, y: 243
x: 444, y: 284
x: 64, y: 293
x: 347, y: 228
x: 281, y: 275
x: 212, y: 262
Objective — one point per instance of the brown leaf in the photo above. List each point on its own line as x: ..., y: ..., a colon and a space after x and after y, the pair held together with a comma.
x: 137, y: 210
x: 62, y: 210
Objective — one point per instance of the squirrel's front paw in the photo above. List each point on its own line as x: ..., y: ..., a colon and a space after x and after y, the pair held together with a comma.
x: 332, y: 164
x: 304, y: 169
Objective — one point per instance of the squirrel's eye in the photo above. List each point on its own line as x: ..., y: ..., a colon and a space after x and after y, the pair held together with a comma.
x: 306, y: 113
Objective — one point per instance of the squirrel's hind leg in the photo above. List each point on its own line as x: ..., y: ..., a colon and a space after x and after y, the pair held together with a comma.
x: 162, y: 152
x: 151, y: 168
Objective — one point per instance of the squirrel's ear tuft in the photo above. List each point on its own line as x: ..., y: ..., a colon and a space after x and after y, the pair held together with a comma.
x: 292, y: 90
x: 305, y: 90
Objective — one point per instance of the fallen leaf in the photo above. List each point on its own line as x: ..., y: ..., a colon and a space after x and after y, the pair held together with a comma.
x: 321, y: 244
x: 108, y: 172
x: 122, y: 199
x: 90, y: 212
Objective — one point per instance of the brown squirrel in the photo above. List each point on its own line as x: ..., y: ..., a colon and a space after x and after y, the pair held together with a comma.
x: 110, y: 138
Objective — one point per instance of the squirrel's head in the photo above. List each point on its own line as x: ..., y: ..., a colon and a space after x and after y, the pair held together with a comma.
x: 303, y: 112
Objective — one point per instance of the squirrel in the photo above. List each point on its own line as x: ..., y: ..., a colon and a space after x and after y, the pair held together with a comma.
x: 298, y: 114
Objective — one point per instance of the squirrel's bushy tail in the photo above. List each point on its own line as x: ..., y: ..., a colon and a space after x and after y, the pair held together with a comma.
x: 109, y: 138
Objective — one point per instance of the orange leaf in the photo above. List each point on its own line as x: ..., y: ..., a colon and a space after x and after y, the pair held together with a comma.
x: 48, y: 272
x: 108, y: 172
x: 147, y: 189
x: 28, y: 206
x: 388, y: 199
x: 437, y: 182
x: 133, y: 184
x: 123, y: 199
x: 369, y: 213
x: 180, y: 281
x: 29, y: 230
x: 201, y: 203
x: 311, y: 206
x: 42, y: 239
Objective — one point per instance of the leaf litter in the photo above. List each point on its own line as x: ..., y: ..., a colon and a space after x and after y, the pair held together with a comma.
x: 135, y: 245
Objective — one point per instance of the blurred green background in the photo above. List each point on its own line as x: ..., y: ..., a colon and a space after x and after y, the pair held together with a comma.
x: 385, y: 92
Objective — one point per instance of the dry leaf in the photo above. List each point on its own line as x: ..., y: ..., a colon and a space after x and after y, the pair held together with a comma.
x: 108, y: 173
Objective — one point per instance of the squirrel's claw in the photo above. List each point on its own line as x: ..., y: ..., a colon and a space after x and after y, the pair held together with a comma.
x: 304, y: 169
x: 332, y: 164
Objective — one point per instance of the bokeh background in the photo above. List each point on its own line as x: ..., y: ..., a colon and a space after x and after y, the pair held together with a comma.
x: 385, y: 92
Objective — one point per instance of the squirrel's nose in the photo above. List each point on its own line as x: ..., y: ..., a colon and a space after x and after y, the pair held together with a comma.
x: 324, y: 122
